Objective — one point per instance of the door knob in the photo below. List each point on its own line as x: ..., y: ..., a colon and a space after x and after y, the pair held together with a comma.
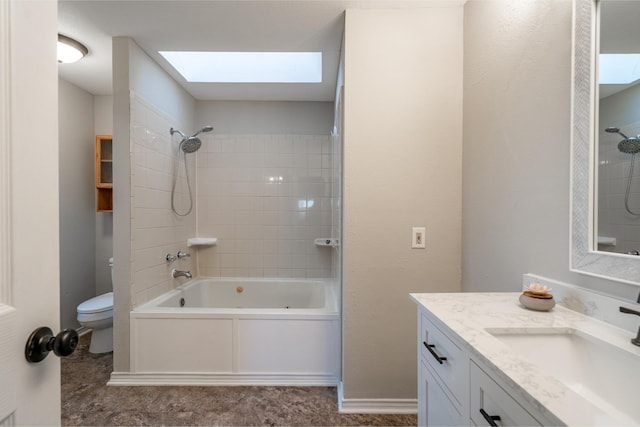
x: 41, y: 342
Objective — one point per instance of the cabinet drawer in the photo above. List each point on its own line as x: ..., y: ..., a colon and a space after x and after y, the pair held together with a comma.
x: 488, y: 397
x: 445, y: 358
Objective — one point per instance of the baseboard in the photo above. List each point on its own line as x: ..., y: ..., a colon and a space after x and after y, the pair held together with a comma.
x: 205, y: 379
x: 375, y: 406
x: 82, y: 330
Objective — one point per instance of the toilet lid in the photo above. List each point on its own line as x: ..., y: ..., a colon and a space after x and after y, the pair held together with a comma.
x: 97, y: 304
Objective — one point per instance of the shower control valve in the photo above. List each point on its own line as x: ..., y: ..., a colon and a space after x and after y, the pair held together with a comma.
x: 170, y: 257
x: 182, y: 254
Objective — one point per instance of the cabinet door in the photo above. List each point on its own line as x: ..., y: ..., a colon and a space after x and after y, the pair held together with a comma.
x: 489, y: 400
x: 434, y: 405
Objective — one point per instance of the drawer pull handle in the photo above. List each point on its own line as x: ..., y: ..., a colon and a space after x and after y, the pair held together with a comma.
x: 491, y: 419
x: 431, y: 347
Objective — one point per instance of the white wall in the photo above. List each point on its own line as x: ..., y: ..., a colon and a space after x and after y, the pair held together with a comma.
x: 85, y: 234
x: 402, y: 168
x: 77, y: 200
x: 516, y: 175
x: 103, y: 125
x: 265, y: 117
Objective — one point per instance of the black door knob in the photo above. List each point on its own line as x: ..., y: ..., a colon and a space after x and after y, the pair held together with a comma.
x: 41, y: 342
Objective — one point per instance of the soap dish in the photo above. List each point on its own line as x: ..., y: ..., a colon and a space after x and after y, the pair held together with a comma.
x: 536, y: 302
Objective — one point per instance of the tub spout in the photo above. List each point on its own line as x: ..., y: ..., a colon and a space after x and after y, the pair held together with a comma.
x: 179, y: 273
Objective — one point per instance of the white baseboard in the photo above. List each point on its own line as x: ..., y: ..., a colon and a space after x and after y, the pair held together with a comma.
x: 204, y: 379
x: 82, y: 330
x: 375, y: 406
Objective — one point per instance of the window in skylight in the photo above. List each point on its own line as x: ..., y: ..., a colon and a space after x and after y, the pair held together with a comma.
x: 247, y: 67
x: 618, y: 68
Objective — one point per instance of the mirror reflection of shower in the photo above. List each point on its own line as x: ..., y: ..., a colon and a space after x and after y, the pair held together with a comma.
x: 188, y: 145
x: 628, y: 145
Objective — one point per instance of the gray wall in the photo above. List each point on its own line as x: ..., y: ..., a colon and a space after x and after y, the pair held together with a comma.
x: 516, y: 162
x: 402, y: 160
x: 77, y: 200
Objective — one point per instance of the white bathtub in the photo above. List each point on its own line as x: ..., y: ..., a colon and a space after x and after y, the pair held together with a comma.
x: 232, y: 331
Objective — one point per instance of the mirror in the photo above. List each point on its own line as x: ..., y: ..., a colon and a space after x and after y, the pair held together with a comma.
x: 618, y: 127
x: 585, y: 256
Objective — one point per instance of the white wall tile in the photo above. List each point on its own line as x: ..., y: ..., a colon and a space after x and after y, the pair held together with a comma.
x: 261, y: 195
x: 156, y: 231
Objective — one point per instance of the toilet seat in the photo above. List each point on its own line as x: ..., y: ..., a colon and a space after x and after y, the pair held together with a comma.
x: 98, y: 304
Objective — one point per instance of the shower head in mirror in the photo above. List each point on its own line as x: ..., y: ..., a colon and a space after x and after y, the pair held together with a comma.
x: 613, y: 129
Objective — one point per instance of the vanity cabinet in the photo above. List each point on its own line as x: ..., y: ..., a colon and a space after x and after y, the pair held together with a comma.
x: 104, y: 173
x: 454, y: 387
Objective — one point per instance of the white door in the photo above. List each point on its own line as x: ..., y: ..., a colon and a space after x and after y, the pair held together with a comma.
x: 29, y: 272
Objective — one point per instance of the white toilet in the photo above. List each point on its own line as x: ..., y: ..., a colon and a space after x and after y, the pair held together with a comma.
x: 97, y: 314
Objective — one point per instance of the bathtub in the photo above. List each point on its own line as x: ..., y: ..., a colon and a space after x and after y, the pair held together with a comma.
x: 232, y: 331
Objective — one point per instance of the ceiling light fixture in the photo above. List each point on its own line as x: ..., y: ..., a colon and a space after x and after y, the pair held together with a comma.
x: 70, y: 50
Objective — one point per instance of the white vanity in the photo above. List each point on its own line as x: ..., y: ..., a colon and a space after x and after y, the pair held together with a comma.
x: 483, y: 355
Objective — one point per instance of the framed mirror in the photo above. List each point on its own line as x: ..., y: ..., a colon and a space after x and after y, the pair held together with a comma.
x: 585, y: 256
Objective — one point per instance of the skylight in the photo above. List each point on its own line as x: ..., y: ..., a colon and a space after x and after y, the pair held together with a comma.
x: 247, y: 67
x: 619, y: 68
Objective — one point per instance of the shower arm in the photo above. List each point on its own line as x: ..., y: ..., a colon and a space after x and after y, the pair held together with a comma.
x: 172, y: 131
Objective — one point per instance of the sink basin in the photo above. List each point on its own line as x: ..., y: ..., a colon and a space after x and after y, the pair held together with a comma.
x: 606, y: 375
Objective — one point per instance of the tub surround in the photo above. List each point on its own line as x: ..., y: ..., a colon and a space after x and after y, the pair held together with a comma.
x: 233, y: 331
x: 465, y: 318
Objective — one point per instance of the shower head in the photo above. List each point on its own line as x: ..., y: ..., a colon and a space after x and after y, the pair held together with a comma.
x: 629, y: 145
x: 612, y: 129
x: 190, y: 144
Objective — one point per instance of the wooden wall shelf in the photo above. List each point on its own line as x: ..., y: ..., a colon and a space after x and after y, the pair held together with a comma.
x: 104, y: 173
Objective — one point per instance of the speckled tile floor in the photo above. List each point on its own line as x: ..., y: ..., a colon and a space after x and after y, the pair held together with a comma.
x: 87, y: 401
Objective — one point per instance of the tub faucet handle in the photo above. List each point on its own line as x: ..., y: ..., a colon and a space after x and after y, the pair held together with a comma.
x: 170, y: 257
x: 182, y: 254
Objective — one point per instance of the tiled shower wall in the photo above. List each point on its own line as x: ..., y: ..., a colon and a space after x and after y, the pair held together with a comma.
x: 155, y: 229
x: 613, y: 175
x: 266, y: 198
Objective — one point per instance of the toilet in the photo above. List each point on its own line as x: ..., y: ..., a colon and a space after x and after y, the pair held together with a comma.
x: 97, y: 314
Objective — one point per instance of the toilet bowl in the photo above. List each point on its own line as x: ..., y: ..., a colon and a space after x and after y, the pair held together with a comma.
x: 97, y: 314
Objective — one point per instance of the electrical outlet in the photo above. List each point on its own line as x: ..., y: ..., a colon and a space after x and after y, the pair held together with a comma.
x: 417, y: 238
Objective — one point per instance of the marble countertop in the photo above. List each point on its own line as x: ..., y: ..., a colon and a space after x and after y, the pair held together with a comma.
x: 469, y: 315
